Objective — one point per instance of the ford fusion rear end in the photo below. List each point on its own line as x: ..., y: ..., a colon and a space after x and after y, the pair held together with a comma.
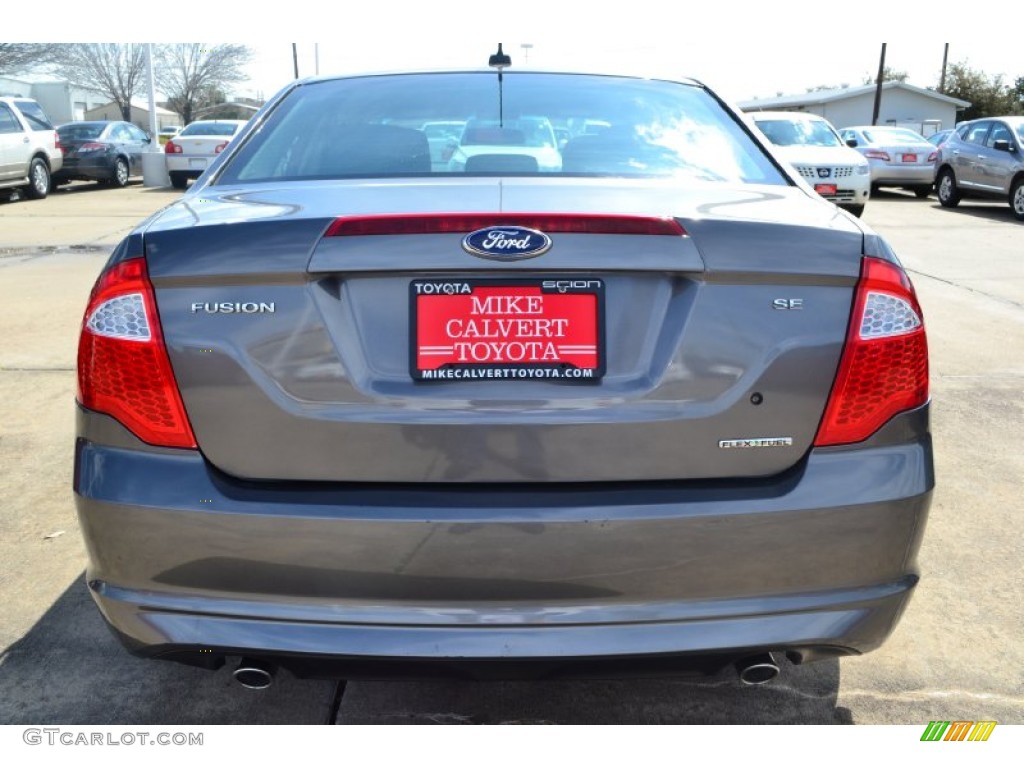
x: 349, y: 413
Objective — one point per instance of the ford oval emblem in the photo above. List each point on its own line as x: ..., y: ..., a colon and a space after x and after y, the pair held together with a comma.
x: 506, y: 243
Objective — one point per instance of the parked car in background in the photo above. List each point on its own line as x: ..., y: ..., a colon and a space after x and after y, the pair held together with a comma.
x: 443, y: 138
x: 30, y: 150
x: 899, y: 157
x: 352, y: 416
x: 938, y: 137
x: 523, y: 145
x: 167, y: 133
x: 108, y: 151
x: 983, y: 159
x: 191, y: 151
x: 811, y: 145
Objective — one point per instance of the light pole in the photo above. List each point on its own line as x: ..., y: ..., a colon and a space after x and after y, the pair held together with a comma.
x: 526, y: 51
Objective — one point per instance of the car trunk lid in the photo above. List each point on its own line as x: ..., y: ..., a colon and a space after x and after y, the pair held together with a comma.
x: 293, y: 350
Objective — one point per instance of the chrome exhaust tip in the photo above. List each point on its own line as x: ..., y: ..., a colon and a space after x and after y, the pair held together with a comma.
x: 254, y: 675
x: 757, y: 670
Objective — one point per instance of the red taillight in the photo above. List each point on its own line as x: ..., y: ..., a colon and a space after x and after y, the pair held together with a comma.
x: 220, y: 148
x: 93, y: 146
x: 56, y: 143
x: 123, y: 367
x: 171, y: 148
x: 429, y: 224
x: 884, y: 368
x: 877, y: 154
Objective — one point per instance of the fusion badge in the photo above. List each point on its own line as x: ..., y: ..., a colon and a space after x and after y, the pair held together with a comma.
x: 757, y: 442
x: 506, y: 243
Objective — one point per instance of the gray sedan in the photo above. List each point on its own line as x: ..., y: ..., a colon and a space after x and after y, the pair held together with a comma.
x: 899, y: 157
x: 656, y: 404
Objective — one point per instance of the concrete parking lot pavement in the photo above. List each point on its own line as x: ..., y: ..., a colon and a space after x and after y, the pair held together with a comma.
x: 79, y: 214
x: 957, y: 654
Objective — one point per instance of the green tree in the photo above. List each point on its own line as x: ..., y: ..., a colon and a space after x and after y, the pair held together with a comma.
x: 889, y: 75
x: 989, y: 94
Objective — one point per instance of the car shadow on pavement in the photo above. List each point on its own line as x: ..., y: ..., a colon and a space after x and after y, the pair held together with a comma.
x: 993, y: 211
x: 70, y: 669
x: 800, y: 695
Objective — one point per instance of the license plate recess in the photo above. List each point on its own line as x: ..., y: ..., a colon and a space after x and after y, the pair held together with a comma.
x: 522, y: 329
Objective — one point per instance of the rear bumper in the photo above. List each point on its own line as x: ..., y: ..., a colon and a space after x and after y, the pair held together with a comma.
x: 89, y: 169
x: 820, y: 561
x: 894, y: 175
x: 183, y: 164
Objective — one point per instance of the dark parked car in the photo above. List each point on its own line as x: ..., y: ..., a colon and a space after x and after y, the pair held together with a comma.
x: 343, y: 412
x: 983, y: 159
x: 108, y: 151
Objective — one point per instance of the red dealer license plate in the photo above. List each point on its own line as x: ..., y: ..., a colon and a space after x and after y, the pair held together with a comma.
x: 521, y: 329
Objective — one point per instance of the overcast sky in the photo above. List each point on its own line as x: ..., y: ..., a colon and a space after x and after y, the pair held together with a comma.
x: 740, y: 48
x: 754, y: 68
x: 739, y: 52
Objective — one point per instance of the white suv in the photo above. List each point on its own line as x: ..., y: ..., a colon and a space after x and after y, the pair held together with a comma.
x: 811, y: 145
x: 30, y: 151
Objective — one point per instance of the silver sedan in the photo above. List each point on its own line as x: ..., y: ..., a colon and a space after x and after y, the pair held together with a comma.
x: 899, y: 157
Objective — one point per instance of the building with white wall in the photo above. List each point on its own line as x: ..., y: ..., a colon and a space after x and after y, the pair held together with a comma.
x: 924, y: 110
x: 60, y: 100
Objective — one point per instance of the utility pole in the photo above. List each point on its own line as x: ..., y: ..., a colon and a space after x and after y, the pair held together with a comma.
x: 878, y: 87
x: 942, y: 80
x: 295, y: 59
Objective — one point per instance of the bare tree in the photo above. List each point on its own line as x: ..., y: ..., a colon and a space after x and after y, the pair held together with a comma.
x: 15, y: 57
x: 194, y: 75
x: 116, y: 70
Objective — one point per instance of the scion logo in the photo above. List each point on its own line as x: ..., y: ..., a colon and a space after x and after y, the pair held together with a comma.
x: 506, y: 243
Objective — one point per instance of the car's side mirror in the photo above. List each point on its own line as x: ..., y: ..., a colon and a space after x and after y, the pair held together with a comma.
x: 1002, y: 145
x: 851, y: 142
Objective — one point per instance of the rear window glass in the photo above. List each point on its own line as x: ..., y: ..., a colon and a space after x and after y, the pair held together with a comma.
x: 893, y: 135
x: 534, y: 124
x: 788, y: 133
x: 210, y: 129
x: 37, y: 119
x: 80, y: 132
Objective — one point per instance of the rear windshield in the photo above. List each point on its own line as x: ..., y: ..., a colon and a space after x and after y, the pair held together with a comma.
x: 210, y: 129
x: 528, y: 124
x: 37, y: 119
x: 787, y: 133
x: 80, y: 132
x: 897, y: 135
